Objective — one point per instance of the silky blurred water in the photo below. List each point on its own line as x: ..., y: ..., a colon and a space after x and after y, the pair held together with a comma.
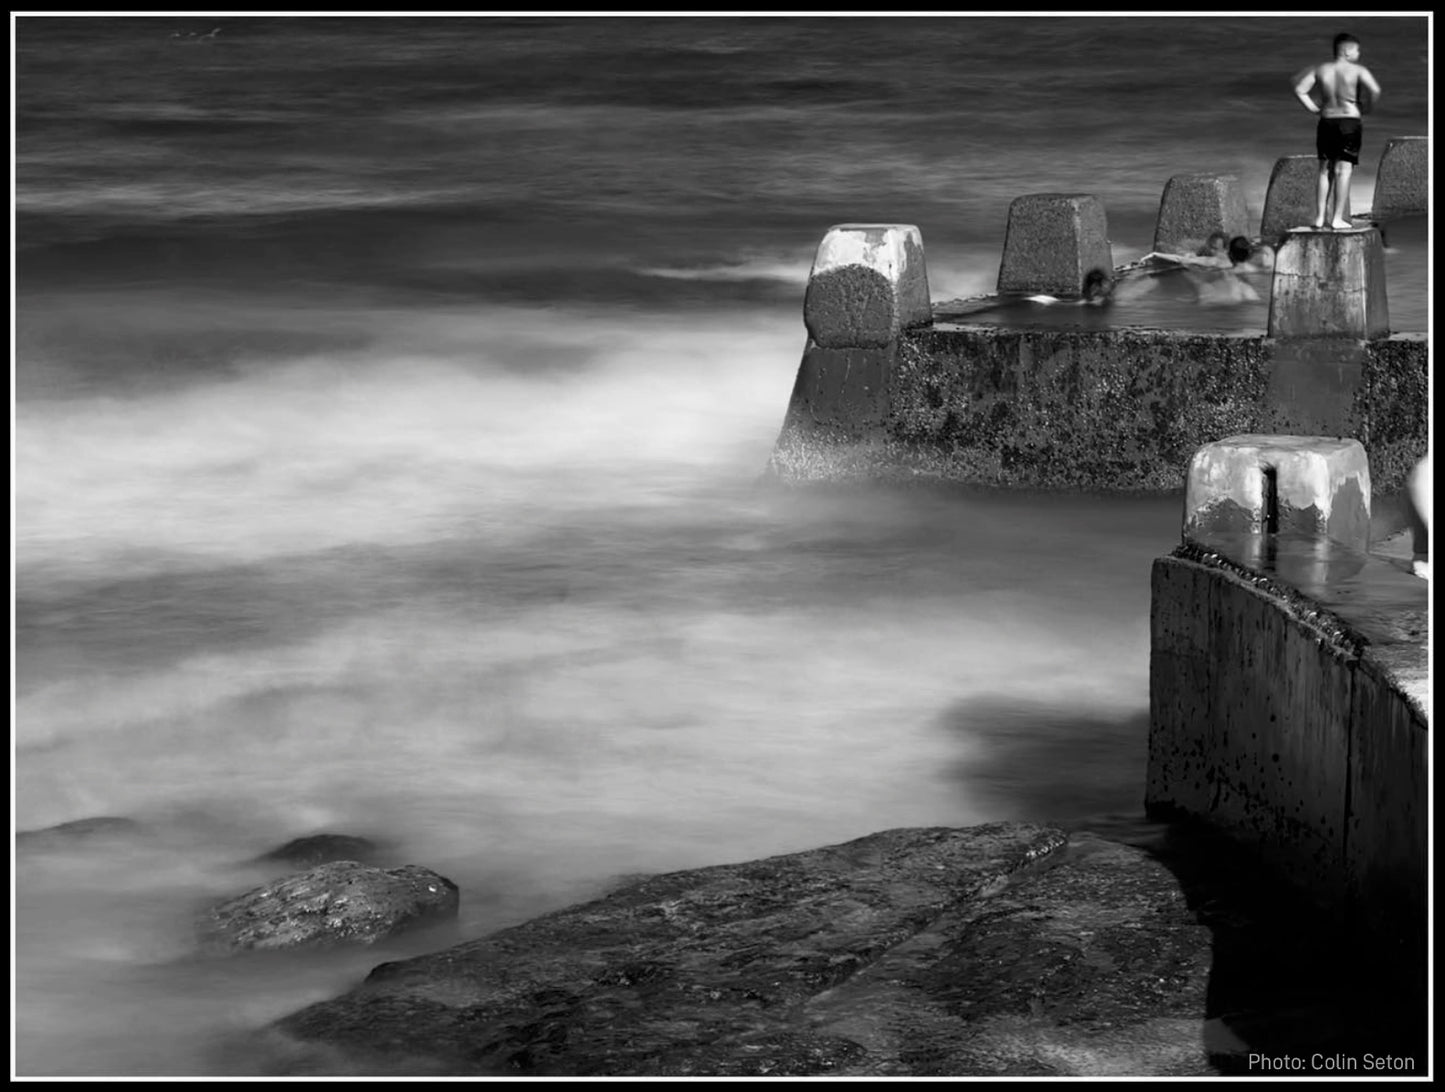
x: 390, y: 399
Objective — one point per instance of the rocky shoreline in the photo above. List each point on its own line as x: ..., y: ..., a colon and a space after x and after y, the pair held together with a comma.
x: 1003, y: 949
x: 1117, y: 947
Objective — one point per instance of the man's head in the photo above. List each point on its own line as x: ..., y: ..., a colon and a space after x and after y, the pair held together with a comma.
x: 1347, y: 46
x: 1098, y: 286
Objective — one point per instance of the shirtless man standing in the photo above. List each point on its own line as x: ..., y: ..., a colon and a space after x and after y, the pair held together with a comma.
x: 1338, y: 136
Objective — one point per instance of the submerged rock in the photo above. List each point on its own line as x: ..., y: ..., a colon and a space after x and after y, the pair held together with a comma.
x: 342, y: 902
x: 317, y: 849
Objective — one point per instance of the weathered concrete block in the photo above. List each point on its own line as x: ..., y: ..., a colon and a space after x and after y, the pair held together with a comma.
x: 1329, y: 284
x: 1402, y: 183
x: 868, y: 283
x: 1052, y: 242
x: 1292, y: 196
x: 1194, y: 207
x: 1255, y: 483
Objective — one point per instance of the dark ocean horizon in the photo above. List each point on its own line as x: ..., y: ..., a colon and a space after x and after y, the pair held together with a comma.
x: 389, y: 398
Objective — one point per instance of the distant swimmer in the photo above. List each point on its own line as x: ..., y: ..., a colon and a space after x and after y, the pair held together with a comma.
x: 1222, y: 288
x: 1098, y: 287
x: 1213, y: 254
x: 1248, y: 257
x: 1346, y: 90
x: 1226, y: 286
x: 1204, y: 280
x: 1216, y: 246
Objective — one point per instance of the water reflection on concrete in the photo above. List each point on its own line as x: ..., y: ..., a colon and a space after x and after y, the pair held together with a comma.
x: 1382, y: 601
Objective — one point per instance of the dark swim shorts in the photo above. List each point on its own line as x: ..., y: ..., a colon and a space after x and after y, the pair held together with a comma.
x: 1338, y: 139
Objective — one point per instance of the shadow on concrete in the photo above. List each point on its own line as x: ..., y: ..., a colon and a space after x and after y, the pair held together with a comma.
x: 1291, y: 982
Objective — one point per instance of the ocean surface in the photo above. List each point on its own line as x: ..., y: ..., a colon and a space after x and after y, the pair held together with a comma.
x: 390, y: 397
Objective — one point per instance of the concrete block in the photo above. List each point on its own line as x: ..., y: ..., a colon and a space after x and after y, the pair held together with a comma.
x: 868, y: 284
x: 1329, y: 284
x: 1052, y: 242
x: 1194, y: 207
x: 1291, y: 198
x: 1402, y: 183
x: 1255, y: 483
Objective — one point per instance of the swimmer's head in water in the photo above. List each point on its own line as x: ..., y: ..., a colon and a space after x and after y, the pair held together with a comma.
x: 1098, y: 286
x: 1215, y: 245
x: 1239, y: 249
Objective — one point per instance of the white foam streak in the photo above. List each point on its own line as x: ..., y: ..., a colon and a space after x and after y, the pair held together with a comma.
x: 392, y: 445
x: 777, y: 269
x: 561, y: 700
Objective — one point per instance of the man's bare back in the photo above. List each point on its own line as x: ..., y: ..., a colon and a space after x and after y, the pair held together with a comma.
x: 1339, y: 82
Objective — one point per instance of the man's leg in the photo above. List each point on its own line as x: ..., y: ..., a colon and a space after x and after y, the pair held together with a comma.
x: 1322, y: 197
x: 1343, y: 169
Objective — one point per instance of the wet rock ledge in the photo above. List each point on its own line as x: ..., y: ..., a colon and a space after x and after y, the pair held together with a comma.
x: 1007, y: 948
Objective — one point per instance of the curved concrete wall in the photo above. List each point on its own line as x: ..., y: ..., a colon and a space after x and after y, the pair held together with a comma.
x: 1294, y: 721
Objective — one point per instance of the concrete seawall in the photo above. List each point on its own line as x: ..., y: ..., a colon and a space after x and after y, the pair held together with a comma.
x: 1289, y: 709
x: 892, y: 387
x: 1289, y: 670
x: 1114, y: 410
